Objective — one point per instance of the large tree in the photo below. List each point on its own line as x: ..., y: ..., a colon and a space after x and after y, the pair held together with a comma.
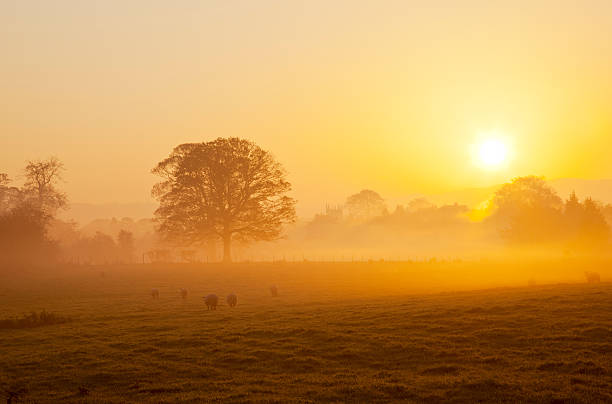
x: 224, y: 189
x: 528, y: 211
x: 26, y: 214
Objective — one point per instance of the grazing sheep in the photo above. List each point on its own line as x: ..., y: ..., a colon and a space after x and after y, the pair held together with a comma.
x: 155, y: 293
x: 211, y: 301
x: 183, y: 293
x: 273, y: 290
x: 231, y: 300
x: 592, y: 277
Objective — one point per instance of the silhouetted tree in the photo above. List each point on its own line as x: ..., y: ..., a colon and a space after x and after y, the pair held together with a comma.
x: 125, y: 242
x: 528, y: 211
x: 573, y: 212
x: 595, y: 229
x: 227, y: 189
x: 400, y: 210
x: 23, y: 238
x: 99, y: 249
x: 365, y: 205
x: 586, y: 224
x: 25, y: 214
x: 42, y: 177
x: 426, y: 216
x: 10, y: 196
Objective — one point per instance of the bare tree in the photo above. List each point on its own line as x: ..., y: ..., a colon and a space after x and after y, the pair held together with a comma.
x: 42, y: 177
x: 226, y: 189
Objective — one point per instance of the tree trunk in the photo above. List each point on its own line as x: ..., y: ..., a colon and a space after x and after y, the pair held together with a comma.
x: 227, y: 247
x: 211, y: 250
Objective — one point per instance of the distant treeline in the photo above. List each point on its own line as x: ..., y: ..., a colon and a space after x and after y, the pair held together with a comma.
x: 525, y: 214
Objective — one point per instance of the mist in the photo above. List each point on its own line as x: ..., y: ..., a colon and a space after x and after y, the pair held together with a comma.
x: 524, y: 228
x: 403, y: 201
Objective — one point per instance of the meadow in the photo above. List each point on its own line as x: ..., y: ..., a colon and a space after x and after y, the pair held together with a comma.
x: 337, y: 332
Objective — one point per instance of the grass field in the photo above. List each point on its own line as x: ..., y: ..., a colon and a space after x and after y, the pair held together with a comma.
x: 336, y: 333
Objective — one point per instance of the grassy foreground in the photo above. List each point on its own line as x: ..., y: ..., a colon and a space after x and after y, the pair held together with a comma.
x: 326, y: 338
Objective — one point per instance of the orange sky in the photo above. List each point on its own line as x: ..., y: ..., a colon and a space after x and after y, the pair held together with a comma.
x: 383, y: 95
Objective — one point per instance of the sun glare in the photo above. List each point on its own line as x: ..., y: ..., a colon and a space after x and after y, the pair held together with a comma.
x: 492, y: 153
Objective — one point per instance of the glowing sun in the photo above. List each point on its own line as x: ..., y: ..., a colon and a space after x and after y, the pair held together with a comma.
x: 492, y: 153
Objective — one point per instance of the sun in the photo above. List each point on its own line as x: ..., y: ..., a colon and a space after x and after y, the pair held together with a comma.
x: 492, y: 153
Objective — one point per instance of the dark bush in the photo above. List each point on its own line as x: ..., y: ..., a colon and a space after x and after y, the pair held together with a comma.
x: 32, y: 320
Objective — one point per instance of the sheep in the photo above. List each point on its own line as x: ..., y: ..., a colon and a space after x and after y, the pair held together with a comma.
x: 155, y: 293
x: 231, y: 300
x: 183, y: 293
x: 592, y: 277
x: 211, y: 301
x: 274, y: 291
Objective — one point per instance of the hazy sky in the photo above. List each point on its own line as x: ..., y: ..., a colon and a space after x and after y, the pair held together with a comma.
x: 387, y: 95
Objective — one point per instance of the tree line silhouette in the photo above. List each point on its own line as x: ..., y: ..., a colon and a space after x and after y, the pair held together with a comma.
x: 528, y: 211
x: 26, y: 212
x: 231, y: 190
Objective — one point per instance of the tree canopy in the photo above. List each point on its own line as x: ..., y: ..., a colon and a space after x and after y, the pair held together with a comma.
x: 530, y: 212
x: 26, y: 213
x: 224, y: 189
x: 365, y: 205
x: 42, y: 177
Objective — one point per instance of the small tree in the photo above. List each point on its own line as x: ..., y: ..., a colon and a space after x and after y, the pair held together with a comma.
x: 102, y: 248
x: 226, y: 189
x: 125, y: 242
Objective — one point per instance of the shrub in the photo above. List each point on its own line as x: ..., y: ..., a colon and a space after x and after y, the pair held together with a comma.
x: 32, y: 320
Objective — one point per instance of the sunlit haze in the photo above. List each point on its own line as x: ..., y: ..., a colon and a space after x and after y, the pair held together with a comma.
x: 306, y: 201
x: 346, y: 94
x: 492, y: 153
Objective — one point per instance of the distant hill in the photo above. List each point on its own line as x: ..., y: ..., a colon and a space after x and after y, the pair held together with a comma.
x: 600, y: 190
x: 84, y: 213
x: 471, y: 197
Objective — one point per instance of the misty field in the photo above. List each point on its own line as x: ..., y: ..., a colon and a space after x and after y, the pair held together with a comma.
x: 337, y: 332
